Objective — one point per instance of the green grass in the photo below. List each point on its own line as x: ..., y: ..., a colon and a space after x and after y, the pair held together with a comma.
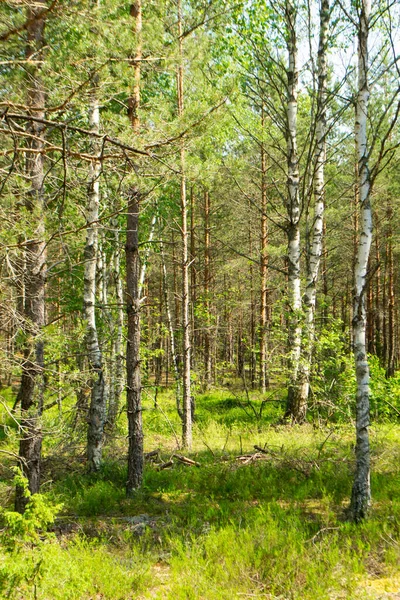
x: 272, y: 529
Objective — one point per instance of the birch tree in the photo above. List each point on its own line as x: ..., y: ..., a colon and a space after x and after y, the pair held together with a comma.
x: 361, y: 493
x: 315, y: 246
x: 97, y: 410
x: 293, y: 207
x: 187, y: 403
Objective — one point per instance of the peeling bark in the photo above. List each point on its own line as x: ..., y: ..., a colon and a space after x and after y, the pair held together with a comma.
x: 187, y: 400
x: 293, y: 221
x: 316, y: 246
x: 98, y: 402
x: 361, y: 493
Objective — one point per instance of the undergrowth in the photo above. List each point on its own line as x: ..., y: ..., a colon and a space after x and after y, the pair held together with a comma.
x: 274, y: 528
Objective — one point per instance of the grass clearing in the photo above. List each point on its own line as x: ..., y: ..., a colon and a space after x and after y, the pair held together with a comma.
x: 274, y: 528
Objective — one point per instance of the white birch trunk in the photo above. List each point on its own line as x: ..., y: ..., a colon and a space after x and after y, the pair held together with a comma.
x: 293, y: 211
x: 146, y: 255
x: 361, y: 493
x: 97, y: 410
x: 316, y: 245
x: 175, y: 361
x: 117, y: 374
x: 187, y: 400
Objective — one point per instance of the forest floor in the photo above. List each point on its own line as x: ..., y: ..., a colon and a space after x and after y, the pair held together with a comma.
x: 262, y: 516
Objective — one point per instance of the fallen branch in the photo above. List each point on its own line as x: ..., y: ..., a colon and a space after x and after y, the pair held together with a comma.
x: 165, y: 465
x: 186, y: 461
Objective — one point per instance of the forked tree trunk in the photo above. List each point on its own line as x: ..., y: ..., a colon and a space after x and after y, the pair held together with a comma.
x: 31, y: 390
x: 361, y: 493
x: 316, y: 246
x: 133, y: 378
x: 187, y: 401
x: 293, y: 410
x: 98, y: 402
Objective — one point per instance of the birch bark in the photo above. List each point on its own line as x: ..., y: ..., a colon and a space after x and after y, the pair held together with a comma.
x: 293, y: 212
x: 316, y: 246
x: 361, y: 493
x: 187, y: 401
x: 263, y: 266
x: 97, y: 410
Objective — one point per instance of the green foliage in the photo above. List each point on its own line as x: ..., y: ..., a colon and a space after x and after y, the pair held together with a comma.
x: 29, y: 527
x: 333, y: 383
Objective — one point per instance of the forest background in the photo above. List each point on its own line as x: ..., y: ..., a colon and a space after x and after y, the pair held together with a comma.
x: 198, y: 278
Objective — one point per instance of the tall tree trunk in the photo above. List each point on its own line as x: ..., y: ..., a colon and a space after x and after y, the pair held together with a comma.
x: 193, y: 276
x: 134, y: 100
x: 263, y: 266
x: 133, y: 291
x: 361, y: 493
x: 377, y: 298
x: 117, y: 383
x: 175, y: 360
x: 97, y: 410
x: 207, y: 333
x: 293, y: 411
x: 133, y: 378
x: 390, y: 367
x: 316, y: 246
x: 187, y: 401
x: 31, y: 390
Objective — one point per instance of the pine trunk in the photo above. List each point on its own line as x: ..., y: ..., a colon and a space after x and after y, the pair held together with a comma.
x: 133, y: 378
x: 30, y: 395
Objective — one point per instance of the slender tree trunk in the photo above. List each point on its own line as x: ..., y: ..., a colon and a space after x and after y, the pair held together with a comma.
x: 316, y: 246
x: 390, y: 368
x: 117, y: 383
x: 175, y: 360
x: 134, y: 100
x: 377, y: 297
x: 133, y: 378
x: 133, y: 291
x: 187, y: 401
x: 263, y: 266
x: 97, y: 410
x: 361, y: 493
x: 252, y: 339
x: 293, y: 411
x: 193, y: 276
x: 207, y: 333
x: 30, y: 395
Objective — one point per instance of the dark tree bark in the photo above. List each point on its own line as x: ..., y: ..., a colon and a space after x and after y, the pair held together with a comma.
x: 31, y: 390
x: 133, y: 377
